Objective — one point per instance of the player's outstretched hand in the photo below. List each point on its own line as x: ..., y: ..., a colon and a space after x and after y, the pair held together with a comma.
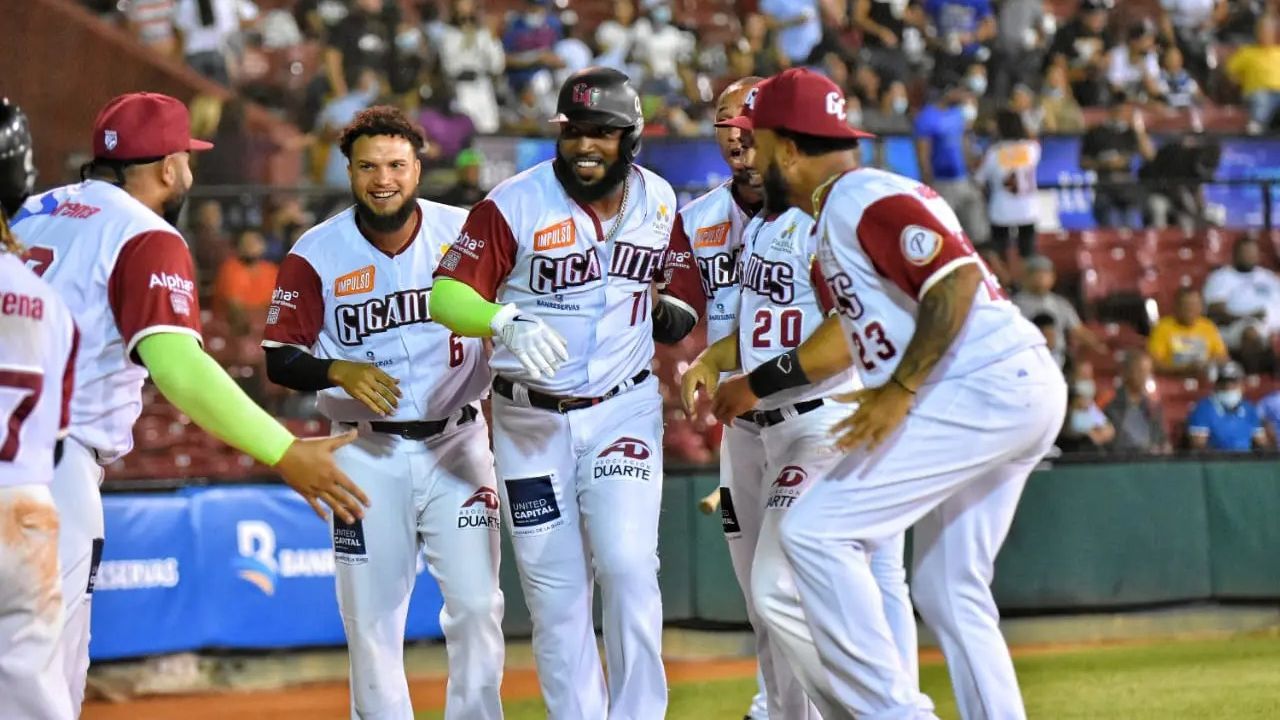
x: 733, y: 398
x: 699, y: 374
x: 367, y: 383
x: 308, y: 468
x: 538, y: 347
x: 880, y: 411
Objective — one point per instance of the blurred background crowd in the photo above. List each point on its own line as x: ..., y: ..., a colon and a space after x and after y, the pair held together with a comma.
x: 1165, y: 315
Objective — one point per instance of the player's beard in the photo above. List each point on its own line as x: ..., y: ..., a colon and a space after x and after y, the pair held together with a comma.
x: 171, y: 210
x: 614, y: 174
x: 777, y: 193
x: 388, y: 223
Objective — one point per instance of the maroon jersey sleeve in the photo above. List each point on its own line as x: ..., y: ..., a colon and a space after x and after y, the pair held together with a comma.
x: 152, y: 288
x: 69, y: 380
x: 820, y: 288
x: 682, y: 280
x: 484, y: 252
x: 909, y: 245
x: 297, y: 305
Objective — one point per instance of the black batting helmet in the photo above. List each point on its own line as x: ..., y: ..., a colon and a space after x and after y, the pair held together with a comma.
x: 603, y: 96
x: 17, y: 170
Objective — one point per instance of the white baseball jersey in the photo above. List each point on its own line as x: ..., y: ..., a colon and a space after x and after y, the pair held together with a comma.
x: 340, y: 297
x: 37, y: 370
x: 712, y: 226
x: 884, y: 240
x: 1008, y: 172
x: 784, y: 300
x: 530, y: 244
x: 125, y: 274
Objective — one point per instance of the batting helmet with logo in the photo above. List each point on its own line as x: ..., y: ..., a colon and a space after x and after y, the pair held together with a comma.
x: 603, y: 96
x: 17, y: 169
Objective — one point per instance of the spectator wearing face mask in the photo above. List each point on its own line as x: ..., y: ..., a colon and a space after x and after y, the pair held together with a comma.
x: 1244, y: 300
x: 891, y: 116
x: 1059, y: 111
x: 1110, y: 151
x: 1134, y: 412
x: 1087, y: 427
x: 1225, y: 421
x: 529, y: 43
x: 1008, y: 175
x: 944, y: 148
x: 1186, y: 343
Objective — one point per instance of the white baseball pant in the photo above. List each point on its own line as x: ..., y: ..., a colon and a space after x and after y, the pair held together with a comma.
x: 423, y: 494
x: 581, y: 495
x: 76, y: 491
x: 799, y: 452
x: 32, y: 680
x: 955, y: 469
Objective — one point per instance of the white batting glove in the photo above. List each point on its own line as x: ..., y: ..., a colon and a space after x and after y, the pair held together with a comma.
x: 538, y: 347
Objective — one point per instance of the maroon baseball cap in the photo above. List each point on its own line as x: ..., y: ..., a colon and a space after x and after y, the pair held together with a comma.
x: 143, y: 125
x: 798, y: 100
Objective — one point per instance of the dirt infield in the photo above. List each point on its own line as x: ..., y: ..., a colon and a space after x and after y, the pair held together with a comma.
x: 329, y: 700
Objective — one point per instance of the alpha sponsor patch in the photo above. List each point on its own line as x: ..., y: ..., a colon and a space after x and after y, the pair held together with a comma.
x: 728, y: 518
x: 480, y: 510
x: 533, y: 505
x: 626, y: 458
x: 786, y: 488
x: 348, y: 542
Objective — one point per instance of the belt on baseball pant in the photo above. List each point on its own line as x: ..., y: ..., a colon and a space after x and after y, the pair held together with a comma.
x: 555, y: 403
x: 420, y: 429
x: 769, y: 418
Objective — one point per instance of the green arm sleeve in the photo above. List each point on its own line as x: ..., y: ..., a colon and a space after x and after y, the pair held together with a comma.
x: 457, y: 306
x: 195, y: 384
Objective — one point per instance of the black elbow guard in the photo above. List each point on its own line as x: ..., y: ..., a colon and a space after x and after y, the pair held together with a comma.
x: 297, y: 370
x: 671, y: 323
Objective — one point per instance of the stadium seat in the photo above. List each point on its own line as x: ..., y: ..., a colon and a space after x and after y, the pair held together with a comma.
x: 1115, y: 270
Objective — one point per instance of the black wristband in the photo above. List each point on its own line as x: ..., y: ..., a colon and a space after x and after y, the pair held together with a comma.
x: 298, y: 370
x: 780, y: 373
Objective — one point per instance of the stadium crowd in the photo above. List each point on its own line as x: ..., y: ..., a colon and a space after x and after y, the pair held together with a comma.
x: 1185, y: 362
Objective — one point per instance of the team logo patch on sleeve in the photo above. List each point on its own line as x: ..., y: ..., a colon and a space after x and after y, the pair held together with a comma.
x: 533, y: 505
x: 480, y: 510
x: 920, y: 245
x: 348, y: 542
x: 354, y: 282
x: 728, y: 517
x: 787, y: 487
x: 626, y: 458
x: 562, y: 234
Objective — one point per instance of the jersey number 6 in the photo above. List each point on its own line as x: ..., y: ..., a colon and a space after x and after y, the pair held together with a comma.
x: 29, y: 386
x: 457, y: 351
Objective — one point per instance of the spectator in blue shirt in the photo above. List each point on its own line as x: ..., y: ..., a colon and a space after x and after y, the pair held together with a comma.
x: 944, y: 149
x: 1225, y: 420
x: 530, y: 42
x: 799, y: 26
x: 1269, y: 408
x: 961, y: 28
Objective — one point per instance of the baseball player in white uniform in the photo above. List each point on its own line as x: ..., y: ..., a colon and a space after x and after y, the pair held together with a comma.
x: 558, y: 265
x: 37, y: 366
x: 108, y: 246
x: 962, y: 401
x: 350, y: 320
x: 784, y: 302
x: 711, y: 225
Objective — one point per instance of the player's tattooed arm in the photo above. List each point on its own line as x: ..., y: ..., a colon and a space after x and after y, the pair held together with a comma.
x: 939, y: 319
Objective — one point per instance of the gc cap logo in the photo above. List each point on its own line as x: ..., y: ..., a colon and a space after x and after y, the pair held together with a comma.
x: 562, y: 234
x: 354, y: 282
x: 835, y: 105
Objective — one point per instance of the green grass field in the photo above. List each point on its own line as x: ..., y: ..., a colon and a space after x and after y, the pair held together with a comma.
x: 1236, y: 678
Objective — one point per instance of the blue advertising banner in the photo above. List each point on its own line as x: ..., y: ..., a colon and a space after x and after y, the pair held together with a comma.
x: 147, y: 591
x: 248, y: 566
